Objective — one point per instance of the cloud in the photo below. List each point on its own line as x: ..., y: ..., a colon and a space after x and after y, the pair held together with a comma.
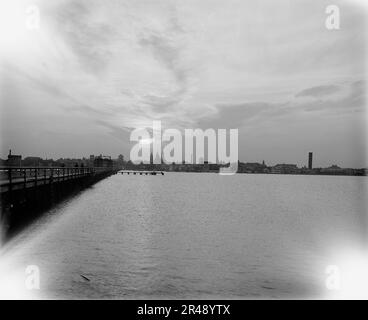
x: 89, y: 35
x: 160, y: 104
x: 351, y: 98
x: 167, y: 47
x: 120, y: 133
x: 96, y: 67
x: 240, y: 114
x: 320, y: 91
x: 321, y: 100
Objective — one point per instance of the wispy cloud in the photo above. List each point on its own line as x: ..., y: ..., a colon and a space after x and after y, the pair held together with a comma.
x: 320, y: 91
x: 326, y: 99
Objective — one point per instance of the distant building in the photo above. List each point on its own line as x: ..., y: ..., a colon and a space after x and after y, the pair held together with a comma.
x: 251, y: 167
x: 48, y: 163
x: 90, y: 161
x: 102, y: 162
x: 172, y: 167
x: 158, y: 159
x: 31, y: 161
x: 310, y: 160
x: 285, y: 168
x: 214, y: 167
x: 14, y: 160
x: 334, y: 169
x: 119, y: 163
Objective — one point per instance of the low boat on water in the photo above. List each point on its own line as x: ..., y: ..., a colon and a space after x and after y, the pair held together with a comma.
x: 152, y: 173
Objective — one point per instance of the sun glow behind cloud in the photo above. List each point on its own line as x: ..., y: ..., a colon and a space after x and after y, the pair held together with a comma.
x: 13, y: 32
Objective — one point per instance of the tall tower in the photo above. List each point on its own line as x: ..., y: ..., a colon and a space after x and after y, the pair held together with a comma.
x: 310, y: 160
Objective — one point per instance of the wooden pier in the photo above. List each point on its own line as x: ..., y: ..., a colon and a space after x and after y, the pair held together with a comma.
x: 27, y: 192
x: 15, y: 178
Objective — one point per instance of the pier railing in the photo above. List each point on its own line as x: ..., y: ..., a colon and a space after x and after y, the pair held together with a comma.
x: 25, y: 177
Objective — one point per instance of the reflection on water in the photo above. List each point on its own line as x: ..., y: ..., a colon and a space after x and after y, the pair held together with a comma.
x: 188, y: 235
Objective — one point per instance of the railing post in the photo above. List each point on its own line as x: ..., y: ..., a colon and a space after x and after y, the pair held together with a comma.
x: 24, y: 178
x: 10, y: 178
x: 36, y: 174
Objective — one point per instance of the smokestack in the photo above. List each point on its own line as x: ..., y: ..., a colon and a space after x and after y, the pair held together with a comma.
x: 310, y: 160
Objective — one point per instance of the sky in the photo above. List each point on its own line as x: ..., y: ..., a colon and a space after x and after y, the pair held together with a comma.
x: 94, y: 70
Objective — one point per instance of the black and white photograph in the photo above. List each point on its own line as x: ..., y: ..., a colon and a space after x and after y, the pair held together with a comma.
x: 183, y: 150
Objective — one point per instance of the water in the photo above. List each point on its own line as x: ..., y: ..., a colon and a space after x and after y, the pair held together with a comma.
x: 194, y: 235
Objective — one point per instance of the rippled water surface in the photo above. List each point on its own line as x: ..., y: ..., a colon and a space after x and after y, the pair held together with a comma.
x: 195, y: 235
